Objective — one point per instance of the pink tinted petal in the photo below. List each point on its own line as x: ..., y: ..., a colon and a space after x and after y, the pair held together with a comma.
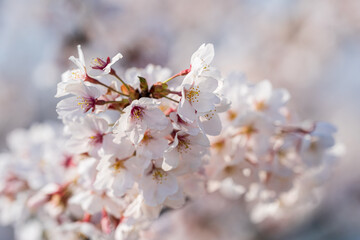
x: 169, y: 186
x: 211, y: 126
x: 155, y: 119
x: 107, y: 69
x: 136, y: 134
x: 171, y: 160
x: 206, y: 84
x: 205, y: 52
x: 200, y: 139
x: 68, y: 108
x: 186, y: 111
x: 205, y: 102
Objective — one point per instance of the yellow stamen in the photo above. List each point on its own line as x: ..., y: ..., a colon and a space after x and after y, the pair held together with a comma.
x: 118, y: 165
x: 260, y: 106
x: 219, y: 145
x: 159, y: 175
x: 231, y: 115
x: 247, y: 130
x: 193, y: 94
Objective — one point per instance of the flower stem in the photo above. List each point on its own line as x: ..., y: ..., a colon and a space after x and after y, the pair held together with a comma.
x: 112, y: 89
x: 174, y: 92
x: 107, y: 102
x: 112, y: 72
x: 171, y: 99
x: 167, y: 80
x: 182, y: 73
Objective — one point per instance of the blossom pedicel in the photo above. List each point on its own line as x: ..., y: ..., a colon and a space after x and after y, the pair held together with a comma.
x: 131, y: 143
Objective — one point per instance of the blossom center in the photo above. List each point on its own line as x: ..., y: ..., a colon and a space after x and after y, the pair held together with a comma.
x: 100, y: 64
x: 137, y: 112
x: 313, y: 144
x: 232, y: 115
x: 193, y: 94
x: 68, y: 162
x: 96, y: 139
x: 230, y: 170
x: 247, y: 130
x: 78, y: 75
x: 219, y: 145
x: 60, y: 197
x: 159, y: 175
x: 183, y: 145
x: 118, y: 165
x: 260, y: 105
x: 87, y: 103
x: 147, y: 138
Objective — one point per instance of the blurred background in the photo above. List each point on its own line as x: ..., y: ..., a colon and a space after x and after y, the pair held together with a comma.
x: 309, y: 47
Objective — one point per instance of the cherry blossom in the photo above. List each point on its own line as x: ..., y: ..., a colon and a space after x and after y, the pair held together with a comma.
x: 140, y: 116
x: 115, y: 169
x: 316, y: 144
x: 85, y: 100
x: 157, y: 184
x: 105, y: 66
x: 199, y: 85
x: 262, y: 98
x: 87, y: 136
x: 185, y: 153
x: 129, y: 150
x: 74, y: 76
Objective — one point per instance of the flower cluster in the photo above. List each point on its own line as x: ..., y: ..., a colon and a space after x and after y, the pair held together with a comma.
x: 138, y: 144
x: 265, y: 153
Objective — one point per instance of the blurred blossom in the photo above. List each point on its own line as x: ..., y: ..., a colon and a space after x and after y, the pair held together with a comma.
x: 210, y: 217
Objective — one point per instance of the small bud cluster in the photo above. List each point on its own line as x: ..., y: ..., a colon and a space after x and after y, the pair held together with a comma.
x: 137, y: 144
